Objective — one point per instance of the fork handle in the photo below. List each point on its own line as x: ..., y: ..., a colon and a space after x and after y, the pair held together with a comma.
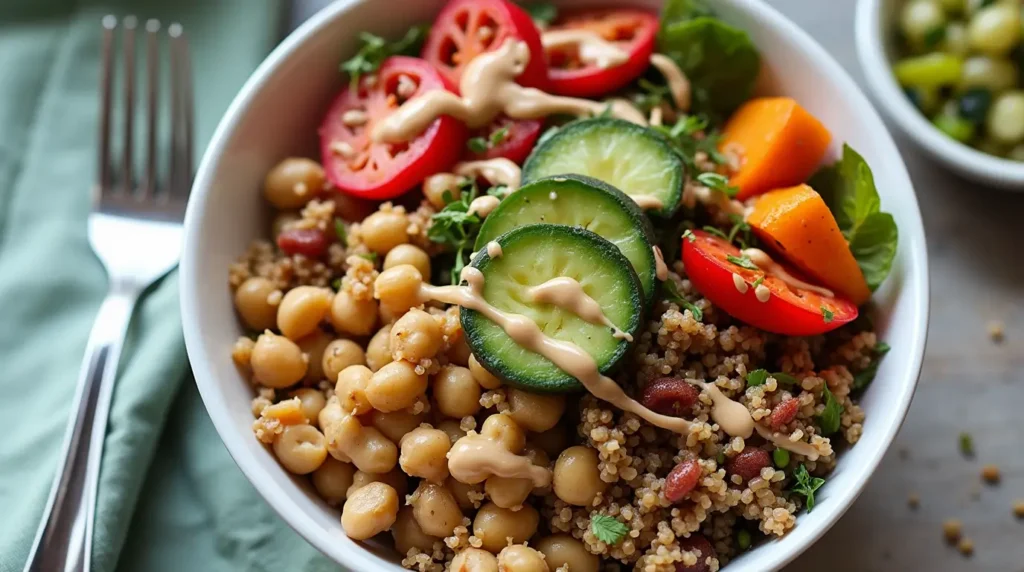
x: 63, y: 542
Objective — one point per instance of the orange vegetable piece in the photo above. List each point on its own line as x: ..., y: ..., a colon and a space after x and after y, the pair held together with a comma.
x: 797, y: 224
x: 779, y: 144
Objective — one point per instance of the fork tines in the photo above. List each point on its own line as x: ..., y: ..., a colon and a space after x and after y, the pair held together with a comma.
x: 117, y: 175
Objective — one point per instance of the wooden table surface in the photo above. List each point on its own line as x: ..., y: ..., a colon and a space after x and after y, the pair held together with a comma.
x: 969, y: 383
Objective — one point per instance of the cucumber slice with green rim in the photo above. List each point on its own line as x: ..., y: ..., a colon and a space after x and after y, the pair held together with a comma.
x: 583, y: 202
x: 630, y: 157
x: 532, y: 255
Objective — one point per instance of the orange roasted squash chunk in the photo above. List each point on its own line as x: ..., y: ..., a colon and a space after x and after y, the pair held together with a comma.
x: 797, y: 224
x: 778, y: 142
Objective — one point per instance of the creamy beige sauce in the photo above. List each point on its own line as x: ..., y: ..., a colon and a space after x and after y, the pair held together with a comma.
x: 765, y: 262
x: 783, y: 442
x: 553, y: 195
x: 483, y: 206
x: 660, y: 269
x: 695, y: 192
x: 475, y: 458
x: 647, y: 202
x: 739, y: 283
x: 678, y: 83
x: 731, y: 416
x: 436, y: 185
x: 571, y: 358
x: 493, y: 249
x: 488, y: 88
x: 763, y: 293
x: 568, y: 294
x: 591, y: 47
x: 656, y: 117
x: 500, y: 171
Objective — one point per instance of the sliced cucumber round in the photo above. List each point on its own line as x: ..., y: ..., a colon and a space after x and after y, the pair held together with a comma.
x: 583, y: 202
x: 532, y: 255
x: 627, y: 156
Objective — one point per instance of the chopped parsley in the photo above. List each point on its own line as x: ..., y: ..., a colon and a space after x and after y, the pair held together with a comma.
x: 455, y: 228
x: 336, y: 284
x: 717, y: 182
x: 757, y: 282
x: 689, y: 236
x: 673, y: 295
x: 689, y: 136
x: 742, y: 262
x: 541, y: 12
x: 740, y: 230
x: 477, y: 145
x: 829, y: 419
x: 760, y: 376
x: 806, y: 485
x: 339, y: 230
x: 371, y: 256
x: 607, y: 529
x: 715, y: 231
x: 781, y: 458
x: 498, y: 137
x: 743, y: 539
x: 827, y: 315
x: 785, y: 378
x: 966, y: 445
x: 864, y: 377
x: 482, y: 145
x: 651, y: 95
x: 375, y: 50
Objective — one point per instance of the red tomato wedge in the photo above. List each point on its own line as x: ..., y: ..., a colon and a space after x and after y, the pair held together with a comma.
x: 468, y: 28
x: 517, y: 137
x: 788, y: 310
x: 632, y: 30
x: 381, y: 171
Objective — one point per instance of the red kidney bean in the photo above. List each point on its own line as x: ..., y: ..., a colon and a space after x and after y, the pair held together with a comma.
x: 748, y: 464
x: 783, y: 413
x: 682, y: 479
x: 696, y: 542
x: 310, y: 242
x: 670, y: 396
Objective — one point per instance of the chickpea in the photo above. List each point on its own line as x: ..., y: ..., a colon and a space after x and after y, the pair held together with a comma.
x: 435, y: 509
x: 521, y: 558
x: 486, y: 379
x: 300, y: 448
x: 351, y: 389
x: 474, y: 560
x: 494, y: 526
x: 415, y: 336
x: 384, y: 230
x: 504, y: 430
x: 553, y: 441
x: 455, y: 391
x: 459, y: 351
x: 424, y: 454
x: 252, y: 300
x: 396, y: 424
x: 314, y: 346
x: 330, y: 418
x: 277, y: 362
x: 398, y: 288
x: 378, y: 351
x: 340, y: 354
x: 367, y: 447
x: 919, y: 17
x: 408, y: 254
x: 995, y: 29
x: 386, y: 315
x: 461, y: 491
x: 452, y: 428
x: 533, y: 411
x: 512, y: 492
x: 332, y: 480
x: 312, y: 401
x: 302, y: 309
x: 1005, y: 119
x: 564, y: 550
x: 408, y: 534
x: 577, y: 478
x: 293, y: 182
x: 395, y: 478
x: 395, y: 386
x: 369, y: 511
x: 435, y: 187
x: 351, y: 316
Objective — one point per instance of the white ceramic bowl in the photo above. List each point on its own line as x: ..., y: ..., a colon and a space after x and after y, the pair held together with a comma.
x: 276, y: 115
x: 875, y: 47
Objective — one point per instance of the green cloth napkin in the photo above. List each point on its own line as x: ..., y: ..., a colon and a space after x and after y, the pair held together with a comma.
x: 170, y: 498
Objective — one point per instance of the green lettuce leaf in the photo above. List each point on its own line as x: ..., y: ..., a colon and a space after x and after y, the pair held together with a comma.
x: 676, y: 11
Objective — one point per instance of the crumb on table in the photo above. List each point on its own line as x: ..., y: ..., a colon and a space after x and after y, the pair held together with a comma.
x: 913, y: 500
x: 951, y: 530
x: 1018, y: 508
x: 996, y: 331
x: 965, y: 546
x: 990, y: 473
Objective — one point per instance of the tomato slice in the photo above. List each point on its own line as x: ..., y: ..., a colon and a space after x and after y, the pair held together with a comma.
x: 633, y: 31
x: 788, y: 310
x: 468, y: 28
x: 381, y: 171
x: 517, y: 142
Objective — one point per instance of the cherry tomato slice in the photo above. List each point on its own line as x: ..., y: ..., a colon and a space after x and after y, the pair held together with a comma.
x: 468, y: 28
x: 517, y: 137
x: 381, y: 171
x: 788, y: 310
x: 632, y: 30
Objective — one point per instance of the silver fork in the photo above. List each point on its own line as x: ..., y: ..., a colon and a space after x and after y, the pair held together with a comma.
x: 135, y: 230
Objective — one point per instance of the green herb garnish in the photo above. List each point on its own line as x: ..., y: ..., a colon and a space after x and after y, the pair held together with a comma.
x: 687, y: 141
x: 715, y: 231
x: 455, y: 228
x: 541, y: 12
x: 375, y: 50
x: 757, y: 377
x: 339, y: 230
x: 806, y: 485
x: 371, y: 256
x: 757, y: 282
x: 498, y: 136
x: 785, y: 378
x: 743, y: 539
x: 934, y: 36
x: 336, y: 284
x: 865, y: 376
x: 742, y: 262
x: 966, y: 445
x: 672, y: 294
x: 827, y: 314
x: 717, y: 182
x: 607, y: 529
x: 829, y: 419
x: 781, y: 458
x: 689, y: 236
x: 477, y: 144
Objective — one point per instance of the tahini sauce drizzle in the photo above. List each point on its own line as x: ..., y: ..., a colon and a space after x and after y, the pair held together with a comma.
x: 739, y: 283
x: 695, y: 192
x: 499, y: 171
x: 660, y: 269
x: 474, y: 458
x: 568, y: 294
x: 647, y: 202
x: 678, y: 83
x: 783, y: 442
x: 493, y: 249
x: 592, y: 48
x: 765, y: 262
x: 482, y: 206
x: 488, y: 89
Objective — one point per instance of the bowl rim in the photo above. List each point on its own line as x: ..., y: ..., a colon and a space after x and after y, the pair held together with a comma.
x: 870, y: 22
x: 799, y: 539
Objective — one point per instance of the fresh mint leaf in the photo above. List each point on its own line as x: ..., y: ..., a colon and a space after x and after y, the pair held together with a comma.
x: 757, y: 377
x: 742, y: 262
x: 541, y: 12
x: 827, y: 315
x: 375, y: 49
x: 607, y: 529
x: 829, y: 419
x: 673, y: 295
x: 806, y: 485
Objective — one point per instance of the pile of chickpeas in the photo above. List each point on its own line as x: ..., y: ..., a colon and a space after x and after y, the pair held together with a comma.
x: 961, y: 66
x: 368, y: 393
